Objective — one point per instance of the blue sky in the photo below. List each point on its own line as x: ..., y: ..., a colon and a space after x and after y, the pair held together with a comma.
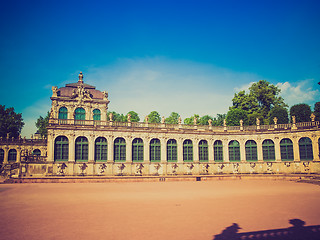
x: 183, y: 56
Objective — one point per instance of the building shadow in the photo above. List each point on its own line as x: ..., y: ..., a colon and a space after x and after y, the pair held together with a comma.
x: 298, y: 231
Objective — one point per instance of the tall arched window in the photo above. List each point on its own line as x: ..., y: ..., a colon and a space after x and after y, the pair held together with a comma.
x: 96, y: 115
x: 155, y: 150
x: 268, y: 150
x: 119, y: 151
x: 81, y: 149
x: 137, y: 150
x: 203, y: 151
x: 63, y: 113
x: 1, y: 156
x: 101, y: 149
x: 61, y: 149
x: 80, y: 116
x: 251, y: 151
x: 286, y: 149
x: 187, y: 151
x: 36, y: 152
x: 305, y: 149
x: 12, y: 155
x: 218, y: 151
x: 172, y: 150
x: 234, y: 151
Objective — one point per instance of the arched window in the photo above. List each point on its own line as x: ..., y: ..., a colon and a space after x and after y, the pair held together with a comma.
x: 36, y: 152
x: 155, y: 150
x: 234, y: 151
x: 305, y: 149
x: 1, y: 156
x: 137, y: 150
x: 12, y: 155
x: 61, y: 149
x: 80, y: 116
x: 81, y: 149
x: 203, y: 151
x: 96, y: 115
x: 63, y: 113
x: 218, y: 151
x: 268, y: 150
x: 251, y: 151
x: 101, y: 149
x: 286, y: 149
x: 119, y: 150
x: 187, y: 151
x: 172, y: 150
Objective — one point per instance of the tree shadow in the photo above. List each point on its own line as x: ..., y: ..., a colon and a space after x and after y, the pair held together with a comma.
x: 297, y: 232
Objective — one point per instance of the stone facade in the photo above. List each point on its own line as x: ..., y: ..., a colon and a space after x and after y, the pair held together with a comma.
x: 82, y: 141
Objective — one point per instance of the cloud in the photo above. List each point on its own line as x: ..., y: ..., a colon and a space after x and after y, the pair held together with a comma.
x: 299, y: 92
x: 165, y: 85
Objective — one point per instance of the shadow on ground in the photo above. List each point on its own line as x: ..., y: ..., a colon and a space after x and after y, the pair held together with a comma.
x: 297, y: 232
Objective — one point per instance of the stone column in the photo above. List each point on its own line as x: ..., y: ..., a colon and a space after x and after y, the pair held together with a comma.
x: 296, y: 153
x: 315, y: 147
x: 242, y: 143
x: 71, y: 148
x: 210, y: 151
x: 163, y: 142
x: 180, y: 150
x: 128, y: 149
x: 146, y: 150
x: 195, y: 146
x: 50, y: 150
x: 6, y: 155
x: 277, y: 149
x: 225, y: 150
x: 110, y: 148
x: 91, y: 143
x: 259, y: 150
x: 18, y: 154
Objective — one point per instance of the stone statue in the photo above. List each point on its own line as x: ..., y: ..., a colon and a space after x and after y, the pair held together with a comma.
x: 241, y: 122
x: 258, y: 121
x: 224, y: 122
x: 105, y: 95
x: 54, y: 91
x: 110, y: 117
x: 163, y: 119
x: 179, y: 120
x: 129, y: 117
x: 51, y: 113
x: 275, y: 120
x: 313, y: 117
x: 195, y: 121
x: 293, y: 119
x: 80, y: 77
x: 210, y: 122
x: 146, y: 119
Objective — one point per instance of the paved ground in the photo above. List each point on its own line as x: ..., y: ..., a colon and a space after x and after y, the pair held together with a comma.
x: 152, y: 210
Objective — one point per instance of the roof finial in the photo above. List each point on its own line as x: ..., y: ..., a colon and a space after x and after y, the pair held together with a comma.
x: 80, y: 77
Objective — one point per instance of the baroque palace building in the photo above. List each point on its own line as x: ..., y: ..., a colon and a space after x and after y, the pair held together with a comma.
x: 83, y: 140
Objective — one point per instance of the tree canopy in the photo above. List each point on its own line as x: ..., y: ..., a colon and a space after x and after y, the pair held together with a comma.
x: 173, y: 118
x: 42, y: 124
x: 301, y: 111
x: 235, y: 115
x: 134, y: 116
x: 262, y: 97
x: 317, y: 111
x: 190, y: 120
x: 154, y: 117
x: 280, y: 113
x: 10, y: 122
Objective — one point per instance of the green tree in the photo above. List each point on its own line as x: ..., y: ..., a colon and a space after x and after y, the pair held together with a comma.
x: 301, y: 111
x: 218, y: 121
x: 154, y: 117
x: 134, y: 116
x: 173, y: 118
x: 204, y: 120
x: 190, y: 120
x: 280, y: 113
x: 42, y: 124
x: 317, y: 111
x: 117, y: 117
x: 235, y: 115
x: 262, y: 97
x: 10, y: 122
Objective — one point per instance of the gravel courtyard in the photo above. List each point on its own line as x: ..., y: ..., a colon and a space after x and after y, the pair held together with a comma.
x: 153, y: 210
